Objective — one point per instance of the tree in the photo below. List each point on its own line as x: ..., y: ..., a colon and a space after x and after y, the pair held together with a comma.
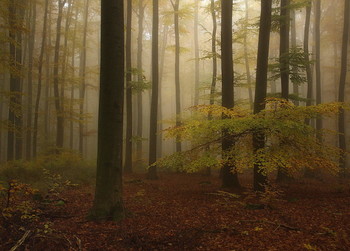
x: 260, y: 177
x: 229, y: 174
x: 141, y: 9
x: 307, y: 57
x: 152, y: 171
x: 196, y: 54
x: 108, y: 203
x: 58, y: 96
x: 128, y: 140
x: 40, y: 77
x: 82, y: 75
x: 318, y: 62
x: 343, y: 73
x: 177, y: 69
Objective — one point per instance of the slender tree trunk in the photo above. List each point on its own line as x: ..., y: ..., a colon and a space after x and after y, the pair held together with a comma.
x: 161, y: 70
x: 108, y: 202
x: 128, y: 140
x: 260, y: 177
x: 152, y: 171
x: 31, y: 42
x: 47, y: 117
x: 71, y: 122
x: 196, y: 54
x: 82, y: 76
x: 229, y: 173
x: 318, y: 63
x: 214, y: 54
x: 307, y: 58
x: 58, y: 99
x: 40, y: 76
x: 140, y: 80
x: 177, y: 71
x: 293, y: 40
x: 341, y: 94
x: 246, y: 57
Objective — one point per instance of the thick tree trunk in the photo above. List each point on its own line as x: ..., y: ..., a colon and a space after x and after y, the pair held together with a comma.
x: 260, y: 177
x: 228, y: 172
x: 108, y: 203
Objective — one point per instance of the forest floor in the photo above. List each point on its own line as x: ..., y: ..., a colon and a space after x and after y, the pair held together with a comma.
x: 191, y: 212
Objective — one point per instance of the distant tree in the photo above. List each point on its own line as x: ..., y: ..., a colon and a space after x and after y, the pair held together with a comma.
x: 229, y: 173
x: 260, y: 177
x: 246, y: 56
x: 57, y: 94
x: 318, y: 62
x: 152, y: 171
x: 40, y: 78
x: 108, y: 203
x: 175, y: 5
x: 82, y: 76
x: 307, y: 57
x: 196, y: 54
x: 342, y: 81
x: 128, y: 139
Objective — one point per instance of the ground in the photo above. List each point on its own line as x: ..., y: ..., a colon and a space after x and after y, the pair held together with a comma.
x: 191, y: 212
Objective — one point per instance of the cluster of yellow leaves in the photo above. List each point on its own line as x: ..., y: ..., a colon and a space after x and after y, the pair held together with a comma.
x: 290, y: 143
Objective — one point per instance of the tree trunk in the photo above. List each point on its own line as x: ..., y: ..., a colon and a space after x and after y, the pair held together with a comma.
x: 260, y: 177
x: 128, y: 140
x: 341, y: 94
x: 246, y: 57
x: 307, y: 58
x: 82, y: 75
x: 177, y: 71
x: 108, y: 203
x: 196, y: 54
x: 228, y: 172
x: 318, y: 64
x: 214, y: 54
x: 152, y: 171
x: 40, y: 69
x: 139, y: 80
x: 58, y: 99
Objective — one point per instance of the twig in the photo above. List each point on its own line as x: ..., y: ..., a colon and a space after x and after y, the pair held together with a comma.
x: 78, y: 243
x: 273, y: 223
x: 20, y: 241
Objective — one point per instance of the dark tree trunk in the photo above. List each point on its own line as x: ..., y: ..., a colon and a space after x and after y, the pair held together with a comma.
x: 214, y: 54
x: 282, y: 174
x: 307, y: 57
x: 228, y: 172
x: 128, y: 140
x: 318, y: 63
x: 108, y: 203
x: 246, y: 57
x: 260, y: 178
x: 82, y: 75
x: 152, y: 171
x: 40, y: 70
x: 343, y: 73
x: 58, y: 97
x: 284, y: 48
x: 31, y: 42
x: 177, y: 71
